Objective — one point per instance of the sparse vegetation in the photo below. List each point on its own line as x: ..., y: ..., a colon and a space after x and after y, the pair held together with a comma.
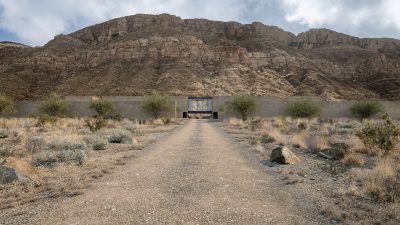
x: 97, y: 142
x: 101, y: 107
x: 366, y: 109
x: 155, y: 105
x: 381, y: 137
x: 383, y: 182
x: 7, y: 105
x: 95, y: 124
x: 304, y: 108
x: 245, y: 105
x: 54, y: 105
x: 119, y: 136
x: 62, y: 150
x: 3, y: 133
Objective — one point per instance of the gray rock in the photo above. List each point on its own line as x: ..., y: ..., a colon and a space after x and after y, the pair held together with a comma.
x: 8, y: 175
x: 283, y: 155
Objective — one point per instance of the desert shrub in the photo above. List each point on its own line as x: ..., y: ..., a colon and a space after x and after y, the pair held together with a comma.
x: 166, y: 121
x: 101, y: 107
x: 7, y: 105
x: 4, y: 133
x: 155, y: 105
x: 365, y: 109
x: 254, y: 141
x: 381, y: 137
x: 119, y: 136
x: 62, y: 150
x: 265, y: 139
x: 130, y: 125
x: 245, y: 105
x: 304, y: 108
x: 95, y: 124
x: 383, y: 182
x: 97, y: 142
x: 53, y: 105
x: 34, y: 144
x: 44, y: 118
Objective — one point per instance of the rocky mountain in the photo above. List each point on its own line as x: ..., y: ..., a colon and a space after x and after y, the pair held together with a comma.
x: 138, y: 54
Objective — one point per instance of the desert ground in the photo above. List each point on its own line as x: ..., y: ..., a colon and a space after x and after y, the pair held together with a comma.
x: 202, y: 172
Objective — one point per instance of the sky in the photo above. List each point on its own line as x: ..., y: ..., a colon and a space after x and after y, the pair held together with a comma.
x: 35, y: 22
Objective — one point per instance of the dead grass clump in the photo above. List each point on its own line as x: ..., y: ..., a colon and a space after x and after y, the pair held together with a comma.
x: 383, y: 182
x: 236, y: 122
x: 316, y: 143
x: 277, y: 136
x: 353, y: 160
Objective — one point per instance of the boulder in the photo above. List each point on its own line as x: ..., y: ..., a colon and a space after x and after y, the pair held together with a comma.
x: 18, y: 170
x: 283, y: 155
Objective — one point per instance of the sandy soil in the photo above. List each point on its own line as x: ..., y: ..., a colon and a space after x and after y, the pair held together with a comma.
x: 196, y: 175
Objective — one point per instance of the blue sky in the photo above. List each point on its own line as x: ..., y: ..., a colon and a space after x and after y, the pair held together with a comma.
x: 35, y: 22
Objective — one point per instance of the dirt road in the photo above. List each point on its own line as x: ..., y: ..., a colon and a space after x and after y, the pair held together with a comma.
x: 196, y: 175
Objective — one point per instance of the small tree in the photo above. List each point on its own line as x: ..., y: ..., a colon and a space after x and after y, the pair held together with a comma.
x: 366, y: 109
x: 102, y: 107
x: 7, y: 105
x: 155, y: 105
x: 381, y: 137
x: 244, y: 105
x: 304, y: 108
x: 53, y: 105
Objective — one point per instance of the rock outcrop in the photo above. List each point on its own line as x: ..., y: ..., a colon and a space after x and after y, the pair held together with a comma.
x: 138, y: 54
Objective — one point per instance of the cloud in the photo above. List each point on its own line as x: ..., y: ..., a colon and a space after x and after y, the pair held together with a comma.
x: 358, y: 17
x: 36, y: 22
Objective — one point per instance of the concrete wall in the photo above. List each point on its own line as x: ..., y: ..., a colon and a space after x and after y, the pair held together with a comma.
x: 272, y: 107
x: 129, y: 107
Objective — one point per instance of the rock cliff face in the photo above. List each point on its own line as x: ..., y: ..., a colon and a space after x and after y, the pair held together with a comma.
x: 139, y: 54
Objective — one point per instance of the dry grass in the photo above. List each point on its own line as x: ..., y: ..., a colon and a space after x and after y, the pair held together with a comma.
x: 28, y: 142
x: 383, y: 182
x: 316, y: 143
x: 353, y: 160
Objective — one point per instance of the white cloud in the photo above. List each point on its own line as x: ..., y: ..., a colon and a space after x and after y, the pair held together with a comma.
x: 357, y: 17
x: 311, y: 12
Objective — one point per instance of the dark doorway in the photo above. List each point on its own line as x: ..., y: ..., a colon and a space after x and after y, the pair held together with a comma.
x: 215, y: 115
x: 185, y: 115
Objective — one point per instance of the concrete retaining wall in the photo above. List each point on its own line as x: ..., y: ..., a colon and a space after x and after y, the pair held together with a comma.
x: 129, y: 107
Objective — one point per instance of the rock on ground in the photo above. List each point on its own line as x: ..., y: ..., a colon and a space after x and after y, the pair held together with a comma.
x: 283, y: 155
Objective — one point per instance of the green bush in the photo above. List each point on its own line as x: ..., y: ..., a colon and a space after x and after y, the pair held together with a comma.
x: 366, y: 109
x: 7, y: 105
x: 101, y: 107
x: 155, y: 105
x: 62, y: 150
x: 244, y: 105
x: 96, y: 124
x: 380, y: 137
x: 304, y: 108
x: 119, y: 136
x: 54, y: 105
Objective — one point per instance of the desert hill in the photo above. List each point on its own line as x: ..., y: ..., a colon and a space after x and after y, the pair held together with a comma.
x: 135, y: 55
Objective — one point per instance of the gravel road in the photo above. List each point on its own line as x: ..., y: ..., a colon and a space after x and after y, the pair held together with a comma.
x: 196, y: 175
